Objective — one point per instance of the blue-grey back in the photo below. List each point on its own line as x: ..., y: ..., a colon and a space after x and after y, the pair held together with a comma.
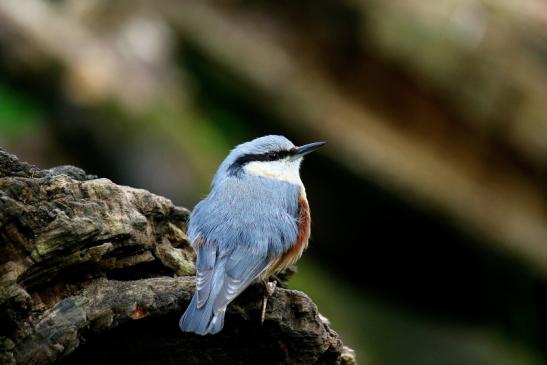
x: 252, y: 211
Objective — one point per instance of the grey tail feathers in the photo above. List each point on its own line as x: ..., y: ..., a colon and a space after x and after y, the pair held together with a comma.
x: 202, y: 320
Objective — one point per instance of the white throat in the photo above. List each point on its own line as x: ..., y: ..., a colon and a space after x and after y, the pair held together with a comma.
x: 284, y: 170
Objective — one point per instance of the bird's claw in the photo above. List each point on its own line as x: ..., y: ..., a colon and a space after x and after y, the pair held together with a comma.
x: 269, y: 289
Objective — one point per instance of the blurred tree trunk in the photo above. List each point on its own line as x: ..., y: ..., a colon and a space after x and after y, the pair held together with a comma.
x: 86, y: 262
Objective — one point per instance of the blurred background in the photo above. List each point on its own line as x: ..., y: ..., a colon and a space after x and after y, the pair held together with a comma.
x: 429, y: 202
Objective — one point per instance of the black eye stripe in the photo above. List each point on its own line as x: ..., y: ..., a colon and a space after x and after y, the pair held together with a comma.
x: 236, y: 167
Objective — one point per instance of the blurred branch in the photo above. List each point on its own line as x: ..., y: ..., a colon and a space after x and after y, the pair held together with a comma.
x: 115, y: 62
x: 487, y: 58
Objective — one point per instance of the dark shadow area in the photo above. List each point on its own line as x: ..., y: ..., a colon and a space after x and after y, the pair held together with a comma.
x: 158, y: 340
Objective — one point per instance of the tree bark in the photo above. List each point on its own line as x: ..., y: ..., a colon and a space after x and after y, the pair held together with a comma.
x: 92, y: 272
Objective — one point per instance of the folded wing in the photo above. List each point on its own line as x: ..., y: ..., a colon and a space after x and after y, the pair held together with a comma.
x: 241, y: 268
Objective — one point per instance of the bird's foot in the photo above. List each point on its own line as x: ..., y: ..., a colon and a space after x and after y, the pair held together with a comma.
x: 269, y: 289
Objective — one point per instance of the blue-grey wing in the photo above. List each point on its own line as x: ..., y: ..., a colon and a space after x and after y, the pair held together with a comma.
x: 206, y: 254
x: 242, y: 267
x: 205, y: 265
x: 245, y: 224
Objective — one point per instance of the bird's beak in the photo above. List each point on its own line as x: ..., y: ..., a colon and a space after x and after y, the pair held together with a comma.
x: 307, y: 148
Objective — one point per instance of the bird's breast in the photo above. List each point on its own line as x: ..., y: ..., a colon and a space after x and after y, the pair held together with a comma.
x: 304, y: 229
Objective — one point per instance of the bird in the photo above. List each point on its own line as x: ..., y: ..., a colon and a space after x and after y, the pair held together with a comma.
x: 254, y: 223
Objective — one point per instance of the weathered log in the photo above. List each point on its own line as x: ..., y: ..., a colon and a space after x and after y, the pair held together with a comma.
x: 92, y: 272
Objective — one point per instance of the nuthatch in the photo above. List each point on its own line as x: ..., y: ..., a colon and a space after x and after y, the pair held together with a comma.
x: 254, y: 223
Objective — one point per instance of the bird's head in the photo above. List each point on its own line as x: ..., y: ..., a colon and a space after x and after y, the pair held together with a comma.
x: 272, y: 156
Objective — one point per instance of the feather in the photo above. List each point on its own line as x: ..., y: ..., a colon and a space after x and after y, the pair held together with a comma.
x: 242, y: 268
x: 205, y: 265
